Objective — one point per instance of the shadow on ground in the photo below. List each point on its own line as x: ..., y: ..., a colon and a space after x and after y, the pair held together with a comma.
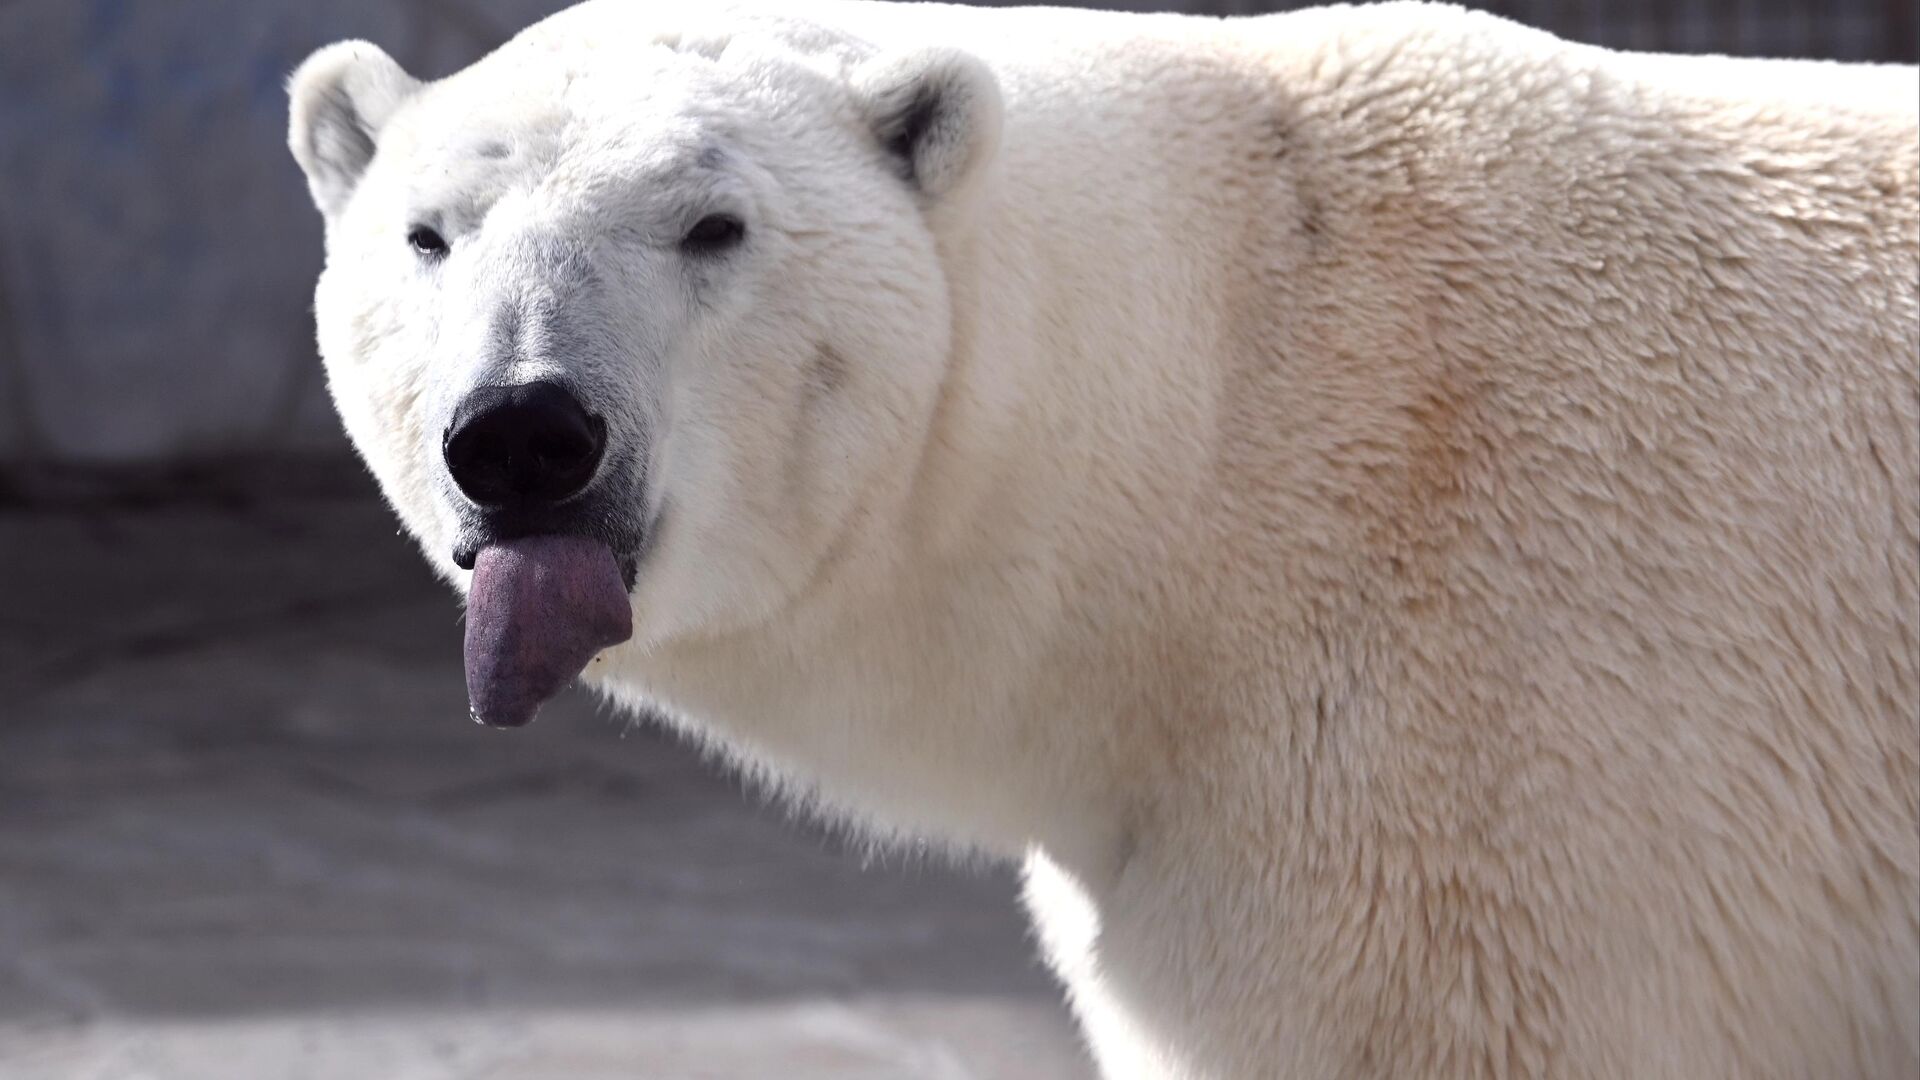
x: 246, y: 830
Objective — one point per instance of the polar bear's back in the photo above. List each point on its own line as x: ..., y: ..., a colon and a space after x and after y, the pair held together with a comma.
x: 1587, y: 382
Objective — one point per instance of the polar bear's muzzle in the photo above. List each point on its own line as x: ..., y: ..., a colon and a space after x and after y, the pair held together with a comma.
x: 550, y: 578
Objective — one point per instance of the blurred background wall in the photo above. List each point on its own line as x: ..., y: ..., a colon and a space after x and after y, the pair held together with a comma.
x: 157, y: 251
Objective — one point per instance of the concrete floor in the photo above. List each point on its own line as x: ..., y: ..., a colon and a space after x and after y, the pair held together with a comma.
x: 246, y: 831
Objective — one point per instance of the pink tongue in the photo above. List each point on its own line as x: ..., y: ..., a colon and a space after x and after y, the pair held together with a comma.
x: 537, y: 610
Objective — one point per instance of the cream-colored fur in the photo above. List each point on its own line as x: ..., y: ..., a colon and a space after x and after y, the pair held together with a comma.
x: 1410, y: 526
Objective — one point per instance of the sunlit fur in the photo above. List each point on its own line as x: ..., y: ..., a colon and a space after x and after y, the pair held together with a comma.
x: 1411, y: 527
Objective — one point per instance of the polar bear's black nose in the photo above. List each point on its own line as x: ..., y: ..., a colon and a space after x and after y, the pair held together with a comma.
x: 529, y: 446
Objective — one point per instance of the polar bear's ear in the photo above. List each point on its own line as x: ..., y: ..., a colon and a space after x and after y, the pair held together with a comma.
x: 936, y: 110
x: 342, y: 96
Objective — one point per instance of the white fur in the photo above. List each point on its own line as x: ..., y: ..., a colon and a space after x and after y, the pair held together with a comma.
x: 1410, y: 526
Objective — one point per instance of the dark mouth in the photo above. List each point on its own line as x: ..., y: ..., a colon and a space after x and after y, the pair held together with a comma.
x: 468, y: 552
x: 630, y: 545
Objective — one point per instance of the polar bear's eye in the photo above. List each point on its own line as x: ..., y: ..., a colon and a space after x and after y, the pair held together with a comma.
x: 714, y: 233
x: 427, y: 242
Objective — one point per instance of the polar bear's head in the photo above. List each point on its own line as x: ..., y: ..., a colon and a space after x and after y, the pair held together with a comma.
x: 673, y: 301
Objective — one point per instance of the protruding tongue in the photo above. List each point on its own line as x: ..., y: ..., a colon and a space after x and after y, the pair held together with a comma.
x: 537, y: 610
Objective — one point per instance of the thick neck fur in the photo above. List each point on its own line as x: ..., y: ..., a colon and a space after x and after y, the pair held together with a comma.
x: 1066, y: 510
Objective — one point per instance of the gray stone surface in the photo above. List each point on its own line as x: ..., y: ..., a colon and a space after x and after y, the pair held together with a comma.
x: 246, y: 832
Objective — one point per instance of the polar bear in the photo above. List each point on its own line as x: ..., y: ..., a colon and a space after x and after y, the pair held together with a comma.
x: 1408, y: 526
